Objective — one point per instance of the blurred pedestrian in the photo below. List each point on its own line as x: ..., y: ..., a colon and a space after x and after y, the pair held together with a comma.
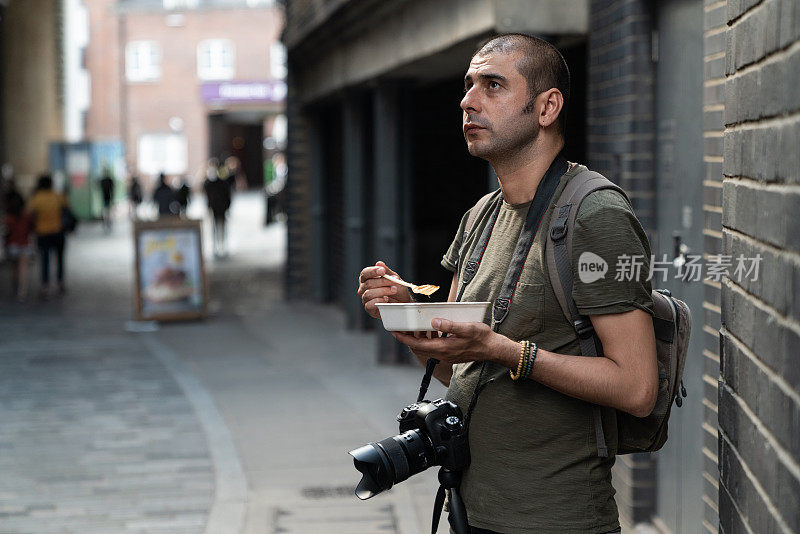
x: 182, y: 195
x: 218, y: 194
x: 10, y: 193
x: 18, y: 226
x: 47, y: 209
x: 235, y: 172
x: 107, y: 189
x: 164, y: 198
x: 134, y: 196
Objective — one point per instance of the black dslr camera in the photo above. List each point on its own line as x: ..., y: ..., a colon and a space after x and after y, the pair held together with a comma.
x: 431, y: 433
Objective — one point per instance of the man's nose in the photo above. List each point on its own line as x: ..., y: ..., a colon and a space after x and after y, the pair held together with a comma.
x: 470, y: 102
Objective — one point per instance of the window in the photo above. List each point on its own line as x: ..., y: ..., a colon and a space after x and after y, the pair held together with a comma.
x: 162, y: 152
x: 177, y: 5
x: 259, y: 3
x: 215, y: 59
x: 277, y: 60
x: 142, y: 61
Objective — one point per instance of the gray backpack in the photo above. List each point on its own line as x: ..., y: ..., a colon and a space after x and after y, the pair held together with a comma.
x: 672, y: 322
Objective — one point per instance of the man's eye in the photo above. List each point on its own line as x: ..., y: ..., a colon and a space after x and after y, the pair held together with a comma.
x: 493, y: 85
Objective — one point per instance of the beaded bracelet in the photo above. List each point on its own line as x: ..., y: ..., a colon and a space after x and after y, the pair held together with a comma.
x: 531, y: 357
x: 524, y: 357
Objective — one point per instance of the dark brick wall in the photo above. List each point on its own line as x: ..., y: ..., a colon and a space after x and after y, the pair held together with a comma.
x: 713, y: 127
x: 620, y: 138
x: 759, y: 386
x: 620, y: 128
x: 298, y: 201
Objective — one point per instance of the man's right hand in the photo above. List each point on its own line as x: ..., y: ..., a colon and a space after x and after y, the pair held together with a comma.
x: 374, y: 289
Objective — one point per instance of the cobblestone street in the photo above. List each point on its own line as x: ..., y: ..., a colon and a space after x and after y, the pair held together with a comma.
x: 238, y: 423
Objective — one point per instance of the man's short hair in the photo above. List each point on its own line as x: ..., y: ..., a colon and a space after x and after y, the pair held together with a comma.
x: 542, y: 65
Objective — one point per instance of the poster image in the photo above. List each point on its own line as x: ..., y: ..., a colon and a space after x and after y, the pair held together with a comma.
x: 170, y: 275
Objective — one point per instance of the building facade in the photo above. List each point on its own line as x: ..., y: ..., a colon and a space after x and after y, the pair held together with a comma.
x: 182, y: 81
x: 687, y: 104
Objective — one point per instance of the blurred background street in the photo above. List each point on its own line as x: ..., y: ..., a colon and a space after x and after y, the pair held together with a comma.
x: 241, y: 419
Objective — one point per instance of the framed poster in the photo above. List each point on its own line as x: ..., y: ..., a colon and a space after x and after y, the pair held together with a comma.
x: 171, y: 279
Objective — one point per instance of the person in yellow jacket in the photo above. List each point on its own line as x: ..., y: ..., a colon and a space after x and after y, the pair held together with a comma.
x: 46, y: 206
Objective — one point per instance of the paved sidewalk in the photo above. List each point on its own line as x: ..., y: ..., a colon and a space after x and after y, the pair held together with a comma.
x: 239, y: 423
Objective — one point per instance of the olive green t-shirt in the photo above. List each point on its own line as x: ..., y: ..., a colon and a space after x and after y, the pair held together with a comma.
x: 534, y: 465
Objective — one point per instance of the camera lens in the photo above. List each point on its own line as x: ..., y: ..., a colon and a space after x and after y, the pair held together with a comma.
x: 390, y: 461
x: 373, y: 464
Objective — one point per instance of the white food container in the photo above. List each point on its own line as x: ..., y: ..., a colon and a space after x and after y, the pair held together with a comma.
x: 417, y: 316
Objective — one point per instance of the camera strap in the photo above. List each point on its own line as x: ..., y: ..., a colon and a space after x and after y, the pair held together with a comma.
x: 541, y: 201
x: 536, y: 211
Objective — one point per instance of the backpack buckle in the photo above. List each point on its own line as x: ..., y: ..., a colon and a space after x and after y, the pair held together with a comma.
x: 559, y: 231
x: 583, y: 326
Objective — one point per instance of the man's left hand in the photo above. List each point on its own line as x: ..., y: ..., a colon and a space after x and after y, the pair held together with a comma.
x: 467, y: 342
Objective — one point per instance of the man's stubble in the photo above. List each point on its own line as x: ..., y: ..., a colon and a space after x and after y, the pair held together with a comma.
x: 507, y: 141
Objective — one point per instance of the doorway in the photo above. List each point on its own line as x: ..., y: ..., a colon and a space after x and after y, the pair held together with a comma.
x: 241, y: 135
x: 679, y: 188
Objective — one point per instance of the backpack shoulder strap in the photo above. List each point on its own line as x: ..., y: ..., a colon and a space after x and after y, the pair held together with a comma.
x: 558, y: 254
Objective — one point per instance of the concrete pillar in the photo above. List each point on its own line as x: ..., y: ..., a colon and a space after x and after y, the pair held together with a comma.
x: 319, y: 256
x: 392, y: 213
x: 30, y: 86
x: 355, y: 204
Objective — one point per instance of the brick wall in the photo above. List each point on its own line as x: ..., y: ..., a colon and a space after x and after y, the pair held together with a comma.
x: 298, y: 200
x: 620, y: 107
x: 620, y: 137
x: 103, y: 61
x: 759, y: 388
x: 713, y: 127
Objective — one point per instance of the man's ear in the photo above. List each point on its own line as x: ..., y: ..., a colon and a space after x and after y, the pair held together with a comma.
x: 552, y: 102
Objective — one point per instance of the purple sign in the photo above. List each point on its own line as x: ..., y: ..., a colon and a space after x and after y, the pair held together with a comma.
x: 234, y: 91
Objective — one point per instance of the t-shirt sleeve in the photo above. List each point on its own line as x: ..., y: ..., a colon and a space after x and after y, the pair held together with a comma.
x: 611, y: 257
x: 450, y: 258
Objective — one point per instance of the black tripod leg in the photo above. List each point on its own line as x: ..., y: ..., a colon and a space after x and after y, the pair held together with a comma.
x: 438, y: 504
x: 458, y: 513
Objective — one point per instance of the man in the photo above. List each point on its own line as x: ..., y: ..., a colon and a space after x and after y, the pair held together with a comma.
x: 164, y: 198
x: 535, y: 466
x: 107, y: 190
x: 134, y: 196
x: 182, y: 195
x: 217, y: 187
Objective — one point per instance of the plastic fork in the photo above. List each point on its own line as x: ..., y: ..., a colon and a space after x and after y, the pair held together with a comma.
x: 426, y: 289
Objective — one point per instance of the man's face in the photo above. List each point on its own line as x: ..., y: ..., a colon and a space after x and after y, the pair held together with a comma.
x: 496, y: 122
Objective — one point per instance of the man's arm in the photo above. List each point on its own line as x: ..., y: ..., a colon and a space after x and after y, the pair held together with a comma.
x: 626, y: 377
